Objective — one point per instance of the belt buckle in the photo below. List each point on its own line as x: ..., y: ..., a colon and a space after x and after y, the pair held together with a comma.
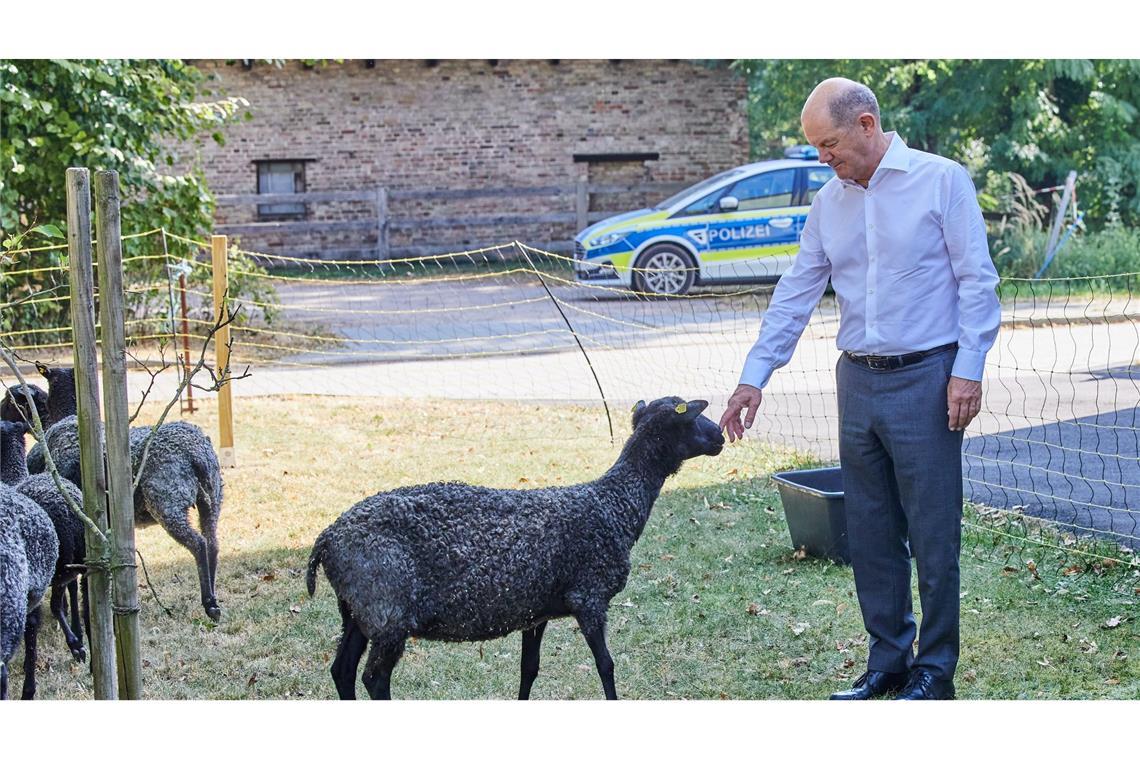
x: 878, y: 362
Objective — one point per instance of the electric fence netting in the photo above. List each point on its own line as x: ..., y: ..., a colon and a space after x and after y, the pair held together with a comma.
x: 1051, y: 464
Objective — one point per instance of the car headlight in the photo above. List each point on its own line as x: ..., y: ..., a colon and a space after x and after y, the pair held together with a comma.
x: 608, y: 239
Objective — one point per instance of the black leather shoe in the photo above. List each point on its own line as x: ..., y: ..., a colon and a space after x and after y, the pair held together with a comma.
x: 923, y: 685
x: 873, y: 683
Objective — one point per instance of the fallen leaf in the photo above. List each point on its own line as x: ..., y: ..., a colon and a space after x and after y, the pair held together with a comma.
x: 524, y: 480
x: 1112, y: 682
x: 789, y: 571
x: 1112, y: 622
x: 1088, y: 646
x: 800, y: 554
x: 295, y: 609
x: 840, y: 608
x: 1044, y: 662
x: 754, y: 609
x: 798, y: 628
x: 1032, y: 567
x: 668, y: 557
x: 822, y: 603
x: 252, y: 680
x: 1072, y: 570
x: 970, y: 676
x: 848, y: 663
x: 269, y: 576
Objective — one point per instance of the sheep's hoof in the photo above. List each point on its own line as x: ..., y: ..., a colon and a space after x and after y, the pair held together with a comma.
x: 214, y: 613
x: 80, y: 654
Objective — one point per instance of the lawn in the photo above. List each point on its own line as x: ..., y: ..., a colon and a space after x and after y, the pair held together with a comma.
x: 717, y: 605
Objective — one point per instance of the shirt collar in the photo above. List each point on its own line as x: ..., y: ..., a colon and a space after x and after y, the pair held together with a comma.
x: 897, y: 157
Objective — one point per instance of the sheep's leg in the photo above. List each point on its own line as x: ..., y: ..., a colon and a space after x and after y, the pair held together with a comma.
x: 352, y: 644
x: 382, y: 661
x: 593, y: 627
x: 58, y: 597
x: 177, y: 524
x: 208, y: 522
x: 31, y: 635
x: 531, y: 644
x: 3, y: 681
x: 76, y: 623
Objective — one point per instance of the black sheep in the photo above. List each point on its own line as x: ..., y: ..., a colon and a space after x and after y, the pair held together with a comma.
x: 455, y: 562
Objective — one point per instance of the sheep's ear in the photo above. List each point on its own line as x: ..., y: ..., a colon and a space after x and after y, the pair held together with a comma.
x: 638, y: 408
x: 690, y: 410
x: 42, y: 368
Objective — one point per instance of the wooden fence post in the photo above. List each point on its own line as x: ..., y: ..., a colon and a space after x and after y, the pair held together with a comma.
x: 582, y: 205
x: 218, y: 248
x: 120, y: 494
x: 382, y: 250
x: 101, y: 635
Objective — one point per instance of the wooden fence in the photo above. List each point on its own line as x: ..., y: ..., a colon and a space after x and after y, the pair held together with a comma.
x: 576, y: 197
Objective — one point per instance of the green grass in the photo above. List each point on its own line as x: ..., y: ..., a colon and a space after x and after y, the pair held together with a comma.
x: 717, y: 606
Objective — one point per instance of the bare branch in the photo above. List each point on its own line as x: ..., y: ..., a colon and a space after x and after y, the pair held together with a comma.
x: 220, y: 379
x: 29, y: 297
x: 38, y: 429
x: 153, y: 376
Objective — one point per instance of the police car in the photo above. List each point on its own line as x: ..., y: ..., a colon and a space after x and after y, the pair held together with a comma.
x: 740, y: 226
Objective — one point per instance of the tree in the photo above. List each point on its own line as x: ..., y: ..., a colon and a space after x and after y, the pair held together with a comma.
x: 102, y: 114
x: 1038, y: 118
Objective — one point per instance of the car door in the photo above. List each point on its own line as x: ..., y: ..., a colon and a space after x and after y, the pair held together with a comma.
x: 751, y: 240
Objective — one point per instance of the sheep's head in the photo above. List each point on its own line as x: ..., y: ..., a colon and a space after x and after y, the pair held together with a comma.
x: 15, y: 405
x: 679, y: 425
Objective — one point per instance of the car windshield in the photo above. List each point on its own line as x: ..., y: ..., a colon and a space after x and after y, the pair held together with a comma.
x: 697, y: 188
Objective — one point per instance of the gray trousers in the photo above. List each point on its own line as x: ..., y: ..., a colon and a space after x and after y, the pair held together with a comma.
x: 902, y: 482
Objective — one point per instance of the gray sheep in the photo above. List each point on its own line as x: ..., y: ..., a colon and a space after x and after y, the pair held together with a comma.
x: 455, y: 562
x: 13, y: 591
x: 69, y: 530
x: 181, y: 472
x: 35, y: 536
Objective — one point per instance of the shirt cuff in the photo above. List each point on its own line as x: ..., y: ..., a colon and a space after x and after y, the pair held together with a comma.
x: 756, y: 373
x: 969, y: 365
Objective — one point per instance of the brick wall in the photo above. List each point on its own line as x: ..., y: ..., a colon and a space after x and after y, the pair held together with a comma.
x: 413, y: 125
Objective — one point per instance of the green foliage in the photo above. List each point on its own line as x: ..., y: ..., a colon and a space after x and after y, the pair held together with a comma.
x: 1039, y: 118
x: 120, y: 115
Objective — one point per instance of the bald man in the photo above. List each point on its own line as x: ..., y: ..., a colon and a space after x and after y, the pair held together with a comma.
x: 901, y: 236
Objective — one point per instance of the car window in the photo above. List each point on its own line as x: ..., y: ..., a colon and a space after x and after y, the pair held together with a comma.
x: 706, y: 205
x: 715, y: 179
x: 817, y: 177
x: 767, y: 190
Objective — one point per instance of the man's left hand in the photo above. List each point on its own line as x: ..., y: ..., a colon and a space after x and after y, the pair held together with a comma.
x: 964, y: 401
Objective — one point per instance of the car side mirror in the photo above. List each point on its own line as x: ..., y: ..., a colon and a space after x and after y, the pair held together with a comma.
x: 728, y: 203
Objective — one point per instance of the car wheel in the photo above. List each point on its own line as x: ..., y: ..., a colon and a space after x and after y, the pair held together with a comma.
x: 665, y: 270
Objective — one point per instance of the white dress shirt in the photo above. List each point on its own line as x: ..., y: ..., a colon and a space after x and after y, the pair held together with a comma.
x: 908, y: 260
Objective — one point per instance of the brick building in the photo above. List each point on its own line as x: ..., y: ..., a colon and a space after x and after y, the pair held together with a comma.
x: 467, y: 127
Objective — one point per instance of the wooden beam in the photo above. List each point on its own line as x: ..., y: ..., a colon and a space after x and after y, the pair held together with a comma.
x: 119, y: 471
x: 94, y: 484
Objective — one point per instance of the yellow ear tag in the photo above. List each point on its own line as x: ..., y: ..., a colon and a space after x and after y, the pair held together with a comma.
x: 681, y: 408
x: 634, y: 409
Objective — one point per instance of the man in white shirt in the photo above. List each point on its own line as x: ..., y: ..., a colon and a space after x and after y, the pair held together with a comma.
x: 900, y: 235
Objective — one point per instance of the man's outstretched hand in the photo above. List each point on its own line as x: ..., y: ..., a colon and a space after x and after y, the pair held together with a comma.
x: 744, y: 397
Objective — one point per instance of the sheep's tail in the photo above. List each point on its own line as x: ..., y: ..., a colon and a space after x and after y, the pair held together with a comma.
x: 315, y: 558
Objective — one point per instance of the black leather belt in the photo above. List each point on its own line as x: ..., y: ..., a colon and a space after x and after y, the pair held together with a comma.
x: 871, y: 361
